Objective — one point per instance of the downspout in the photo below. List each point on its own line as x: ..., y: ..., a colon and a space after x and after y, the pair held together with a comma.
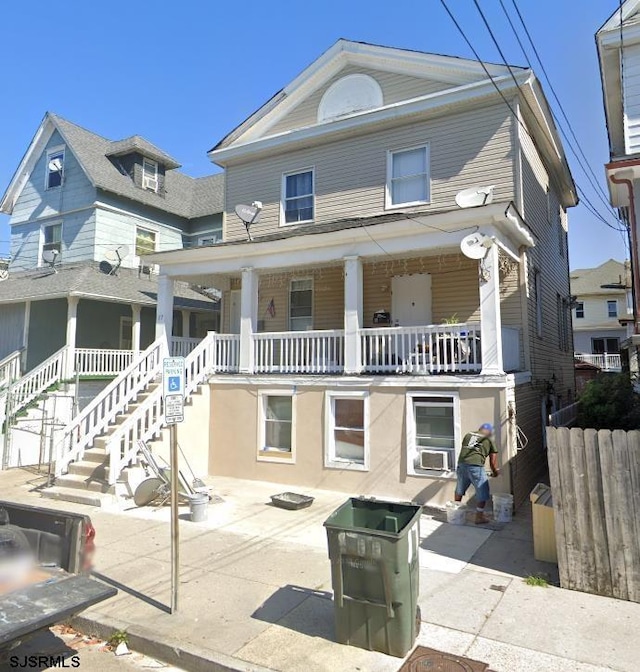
x: 634, y: 246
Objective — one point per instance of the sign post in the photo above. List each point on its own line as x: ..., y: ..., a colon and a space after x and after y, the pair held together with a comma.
x: 173, y: 397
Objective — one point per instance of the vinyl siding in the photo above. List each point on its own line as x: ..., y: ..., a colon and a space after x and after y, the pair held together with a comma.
x: 47, y: 330
x: 395, y: 88
x: 631, y: 96
x: 11, y: 328
x: 467, y: 148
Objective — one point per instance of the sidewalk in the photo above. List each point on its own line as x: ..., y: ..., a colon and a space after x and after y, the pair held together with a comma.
x: 255, y: 590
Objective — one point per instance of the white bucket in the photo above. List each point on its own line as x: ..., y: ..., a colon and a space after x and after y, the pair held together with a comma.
x: 456, y: 513
x: 502, y: 508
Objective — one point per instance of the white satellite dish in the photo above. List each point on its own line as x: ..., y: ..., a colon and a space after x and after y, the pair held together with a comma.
x: 55, y: 165
x: 474, y: 197
x: 116, y: 256
x: 475, y: 245
x: 249, y: 214
x: 50, y: 256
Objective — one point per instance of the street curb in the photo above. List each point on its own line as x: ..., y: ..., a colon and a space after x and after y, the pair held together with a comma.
x: 173, y: 652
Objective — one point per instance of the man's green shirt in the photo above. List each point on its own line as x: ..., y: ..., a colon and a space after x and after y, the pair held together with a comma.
x: 475, y: 449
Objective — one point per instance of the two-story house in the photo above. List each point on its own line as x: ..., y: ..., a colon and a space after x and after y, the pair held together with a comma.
x: 83, y: 211
x: 405, y: 280
x: 601, y: 312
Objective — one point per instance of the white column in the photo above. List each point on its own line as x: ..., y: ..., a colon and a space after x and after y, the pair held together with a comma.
x: 352, y: 314
x: 491, y: 322
x: 25, y: 336
x: 135, y: 327
x: 186, y: 317
x: 164, y: 310
x: 72, y: 323
x: 248, y: 318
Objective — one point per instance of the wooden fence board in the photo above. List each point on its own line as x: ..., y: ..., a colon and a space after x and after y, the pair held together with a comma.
x: 633, y: 443
x: 556, y: 440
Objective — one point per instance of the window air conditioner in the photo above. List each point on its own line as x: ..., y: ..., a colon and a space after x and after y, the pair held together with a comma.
x: 435, y: 460
x: 150, y: 183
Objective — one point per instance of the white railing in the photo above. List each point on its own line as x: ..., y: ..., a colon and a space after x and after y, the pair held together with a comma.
x: 113, y: 400
x: 102, y: 362
x: 10, y: 368
x: 182, y: 346
x: 511, y: 349
x: 226, y: 353
x: 606, y: 361
x: 299, y: 352
x: 148, y: 418
x: 564, y: 417
x: 442, y: 348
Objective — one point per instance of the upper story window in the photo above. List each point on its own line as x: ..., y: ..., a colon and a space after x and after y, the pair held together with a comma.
x: 612, y: 308
x: 579, y: 310
x: 150, y: 175
x: 55, y: 168
x: 301, y: 305
x: 52, y: 238
x: 145, y: 241
x: 298, y: 197
x: 408, y: 177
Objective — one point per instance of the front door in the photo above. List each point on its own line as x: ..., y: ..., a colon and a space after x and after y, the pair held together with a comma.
x: 126, y: 333
x: 411, y: 300
x: 234, y: 311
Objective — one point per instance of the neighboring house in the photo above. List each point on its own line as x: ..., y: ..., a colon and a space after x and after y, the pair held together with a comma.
x: 366, y: 342
x: 601, y: 311
x: 83, y: 211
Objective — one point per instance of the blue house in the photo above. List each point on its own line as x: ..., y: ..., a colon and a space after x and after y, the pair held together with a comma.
x: 84, y: 210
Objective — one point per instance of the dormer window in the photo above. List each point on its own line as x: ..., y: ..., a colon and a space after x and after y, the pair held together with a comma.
x: 55, y: 168
x: 150, y: 175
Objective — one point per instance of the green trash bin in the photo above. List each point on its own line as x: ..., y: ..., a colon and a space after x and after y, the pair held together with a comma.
x: 373, y: 548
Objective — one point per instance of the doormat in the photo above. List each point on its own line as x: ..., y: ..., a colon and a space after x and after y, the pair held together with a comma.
x: 429, y: 660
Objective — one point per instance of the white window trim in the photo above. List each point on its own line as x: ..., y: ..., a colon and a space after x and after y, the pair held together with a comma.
x: 275, y: 455
x: 388, y: 205
x: 283, y: 195
x: 60, y: 149
x: 613, y: 317
x: 411, y: 447
x: 579, y: 317
x: 148, y: 229
x: 41, y: 242
x: 154, y: 163
x: 313, y: 297
x: 330, y: 459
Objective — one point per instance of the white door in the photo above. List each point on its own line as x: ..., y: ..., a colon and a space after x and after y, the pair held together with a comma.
x: 234, y: 311
x: 411, y: 300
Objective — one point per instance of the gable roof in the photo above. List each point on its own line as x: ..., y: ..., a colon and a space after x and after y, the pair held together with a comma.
x: 590, y: 280
x: 137, y: 143
x: 184, y: 196
x: 627, y: 12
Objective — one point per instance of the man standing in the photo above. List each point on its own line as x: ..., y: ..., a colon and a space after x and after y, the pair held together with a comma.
x: 476, y: 446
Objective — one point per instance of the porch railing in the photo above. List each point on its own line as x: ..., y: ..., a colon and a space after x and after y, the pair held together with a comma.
x: 181, y: 346
x: 605, y: 361
x: 299, y: 352
x: 102, y: 361
x: 226, y: 353
x: 10, y: 368
x: 446, y: 348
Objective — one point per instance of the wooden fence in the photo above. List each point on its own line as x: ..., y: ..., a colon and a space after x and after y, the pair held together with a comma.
x: 595, y: 478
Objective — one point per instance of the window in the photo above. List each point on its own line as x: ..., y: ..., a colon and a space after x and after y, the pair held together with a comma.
x: 55, y: 168
x: 301, y: 305
x: 276, y: 438
x: 346, y: 431
x: 149, y: 174
x: 432, y: 433
x: 579, y: 310
x: 209, y: 239
x: 297, y: 197
x: 52, y: 238
x: 600, y: 346
x: 145, y: 241
x: 408, y: 177
x: 612, y: 308
x: 537, y: 292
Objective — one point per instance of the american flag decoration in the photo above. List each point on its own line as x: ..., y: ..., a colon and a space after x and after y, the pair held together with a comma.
x: 271, y: 308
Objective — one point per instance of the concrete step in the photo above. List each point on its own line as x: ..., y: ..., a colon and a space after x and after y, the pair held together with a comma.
x: 94, y: 470
x: 77, y: 496
x: 75, y: 481
x: 95, y: 454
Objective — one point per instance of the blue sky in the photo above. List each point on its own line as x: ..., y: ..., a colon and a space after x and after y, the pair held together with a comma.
x: 184, y: 73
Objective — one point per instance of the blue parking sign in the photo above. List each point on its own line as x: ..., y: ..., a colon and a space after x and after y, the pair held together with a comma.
x: 173, y: 384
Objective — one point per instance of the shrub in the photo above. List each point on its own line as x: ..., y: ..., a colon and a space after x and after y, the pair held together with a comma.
x: 609, y: 402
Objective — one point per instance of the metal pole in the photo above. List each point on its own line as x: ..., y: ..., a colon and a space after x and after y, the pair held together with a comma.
x: 175, y: 534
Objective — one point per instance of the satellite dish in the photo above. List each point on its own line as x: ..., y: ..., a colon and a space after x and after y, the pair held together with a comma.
x: 55, y: 165
x: 249, y: 214
x: 50, y: 256
x: 116, y: 256
x: 475, y: 245
x: 474, y: 197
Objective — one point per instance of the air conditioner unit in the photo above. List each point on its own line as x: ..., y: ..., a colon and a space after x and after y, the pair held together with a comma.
x: 435, y: 460
x: 150, y: 183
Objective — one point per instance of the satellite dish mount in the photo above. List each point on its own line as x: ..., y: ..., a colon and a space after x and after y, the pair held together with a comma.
x: 49, y: 257
x: 249, y: 214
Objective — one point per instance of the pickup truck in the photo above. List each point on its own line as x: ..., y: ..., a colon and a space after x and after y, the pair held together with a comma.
x: 63, y: 545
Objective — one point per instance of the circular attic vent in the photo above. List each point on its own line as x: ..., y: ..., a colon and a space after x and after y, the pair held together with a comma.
x: 353, y: 93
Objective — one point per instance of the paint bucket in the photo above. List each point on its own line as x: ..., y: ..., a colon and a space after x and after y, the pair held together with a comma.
x: 456, y: 513
x: 198, y: 507
x: 502, y: 508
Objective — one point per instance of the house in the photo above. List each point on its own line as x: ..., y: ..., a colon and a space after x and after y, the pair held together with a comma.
x: 405, y: 280
x: 84, y: 210
x: 601, y: 312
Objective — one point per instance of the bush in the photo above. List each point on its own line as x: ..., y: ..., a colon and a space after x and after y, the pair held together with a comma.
x: 609, y: 402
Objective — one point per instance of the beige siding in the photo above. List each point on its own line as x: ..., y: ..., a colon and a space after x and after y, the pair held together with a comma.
x: 395, y: 88
x: 467, y: 148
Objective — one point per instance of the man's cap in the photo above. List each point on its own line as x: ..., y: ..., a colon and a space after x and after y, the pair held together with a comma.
x: 487, y: 426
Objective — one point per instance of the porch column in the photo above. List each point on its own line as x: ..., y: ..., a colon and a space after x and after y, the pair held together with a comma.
x: 352, y: 314
x: 135, y: 327
x: 25, y: 336
x: 248, y: 318
x: 186, y: 321
x: 72, y: 323
x: 491, y: 321
x: 164, y: 310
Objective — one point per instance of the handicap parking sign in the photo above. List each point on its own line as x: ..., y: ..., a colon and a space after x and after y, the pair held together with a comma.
x: 173, y: 369
x: 173, y: 384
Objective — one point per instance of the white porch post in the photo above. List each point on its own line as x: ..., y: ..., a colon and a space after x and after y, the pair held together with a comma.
x: 135, y: 327
x: 248, y: 318
x: 352, y: 314
x: 25, y: 336
x: 491, y: 321
x: 72, y: 323
x: 186, y: 317
x: 164, y: 310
